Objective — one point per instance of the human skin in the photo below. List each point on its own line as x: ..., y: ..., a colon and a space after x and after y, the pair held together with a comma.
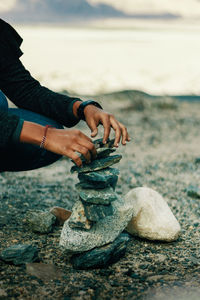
x: 69, y: 141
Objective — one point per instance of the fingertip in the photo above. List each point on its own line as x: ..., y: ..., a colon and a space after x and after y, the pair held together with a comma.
x: 93, y: 134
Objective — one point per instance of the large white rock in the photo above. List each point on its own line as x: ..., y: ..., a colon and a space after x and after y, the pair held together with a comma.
x: 152, y: 218
x: 103, y: 232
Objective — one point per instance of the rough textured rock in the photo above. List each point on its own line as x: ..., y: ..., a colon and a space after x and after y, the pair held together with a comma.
x: 193, y: 191
x: 19, y: 254
x: 152, y: 218
x: 102, y: 256
x: 97, y: 164
x: 101, y: 233
x: 40, y: 221
x: 103, y: 197
x: 96, y: 212
x: 78, y: 218
x: 100, y: 179
x: 61, y: 214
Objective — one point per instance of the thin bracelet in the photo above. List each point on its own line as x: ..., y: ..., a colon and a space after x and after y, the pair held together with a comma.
x: 44, y: 136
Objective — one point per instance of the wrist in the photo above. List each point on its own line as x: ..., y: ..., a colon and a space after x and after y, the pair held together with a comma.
x: 31, y: 133
x: 83, y: 106
x: 75, y: 108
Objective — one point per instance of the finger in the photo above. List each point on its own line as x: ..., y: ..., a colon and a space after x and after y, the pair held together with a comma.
x: 106, y: 124
x: 88, y: 145
x: 124, y: 133
x: 84, y: 151
x: 93, y: 127
x: 83, y: 136
x: 117, y: 129
x: 75, y: 158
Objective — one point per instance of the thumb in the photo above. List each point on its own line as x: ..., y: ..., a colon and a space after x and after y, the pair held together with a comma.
x: 93, y: 127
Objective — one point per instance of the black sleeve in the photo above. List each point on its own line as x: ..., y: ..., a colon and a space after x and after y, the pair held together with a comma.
x: 22, y: 89
x: 10, y: 43
x: 26, y: 92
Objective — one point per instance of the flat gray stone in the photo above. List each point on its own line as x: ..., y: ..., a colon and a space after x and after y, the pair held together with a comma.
x: 101, y: 153
x: 104, y: 152
x: 19, y: 254
x: 103, y: 232
x: 102, y: 197
x: 78, y: 218
x: 96, y: 212
x: 102, y: 256
x: 99, y: 143
x: 40, y: 221
x: 97, y: 164
x: 100, y: 179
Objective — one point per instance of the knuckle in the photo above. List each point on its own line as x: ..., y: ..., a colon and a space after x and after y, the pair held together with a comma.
x: 84, y: 151
x: 91, y: 147
x: 77, y: 131
x: 73, y: 141
x: 77, y: 161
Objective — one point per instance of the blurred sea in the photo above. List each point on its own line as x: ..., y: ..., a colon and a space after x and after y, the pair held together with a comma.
x: 158, y: 59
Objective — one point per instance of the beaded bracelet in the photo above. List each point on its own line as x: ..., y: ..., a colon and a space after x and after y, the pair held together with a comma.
x: 44, y: 136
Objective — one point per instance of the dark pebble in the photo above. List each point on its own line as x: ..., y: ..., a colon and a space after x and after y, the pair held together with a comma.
x: 19, y: 254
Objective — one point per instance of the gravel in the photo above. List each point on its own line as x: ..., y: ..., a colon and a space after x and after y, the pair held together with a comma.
x: 163, y: 155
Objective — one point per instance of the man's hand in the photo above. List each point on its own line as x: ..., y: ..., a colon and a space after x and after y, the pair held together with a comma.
x: 95, y: 116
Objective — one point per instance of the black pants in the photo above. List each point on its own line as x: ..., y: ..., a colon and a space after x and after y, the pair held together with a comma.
x: 22, y: 157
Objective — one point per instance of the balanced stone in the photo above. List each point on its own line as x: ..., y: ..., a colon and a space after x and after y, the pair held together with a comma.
x: 40, y: 221
x: 102, y: 256
x: 104, y: 152
x: 103, y: 232
x: 101, y: 153
x: 97, y: 164
x: 96, y: 212
x: 78, y: 218
x: 19, y: 254
x: 103, y: 197
x: 99, y: 180
x: 99, y: 143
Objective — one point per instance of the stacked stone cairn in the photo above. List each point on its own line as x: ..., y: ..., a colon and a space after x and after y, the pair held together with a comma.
x: 96, y: 195
x: 96, y: 187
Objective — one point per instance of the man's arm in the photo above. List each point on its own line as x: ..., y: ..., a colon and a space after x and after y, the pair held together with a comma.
x: 27, y: 93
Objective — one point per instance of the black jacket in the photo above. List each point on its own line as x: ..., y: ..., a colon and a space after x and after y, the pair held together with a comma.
x: 24, y: 91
